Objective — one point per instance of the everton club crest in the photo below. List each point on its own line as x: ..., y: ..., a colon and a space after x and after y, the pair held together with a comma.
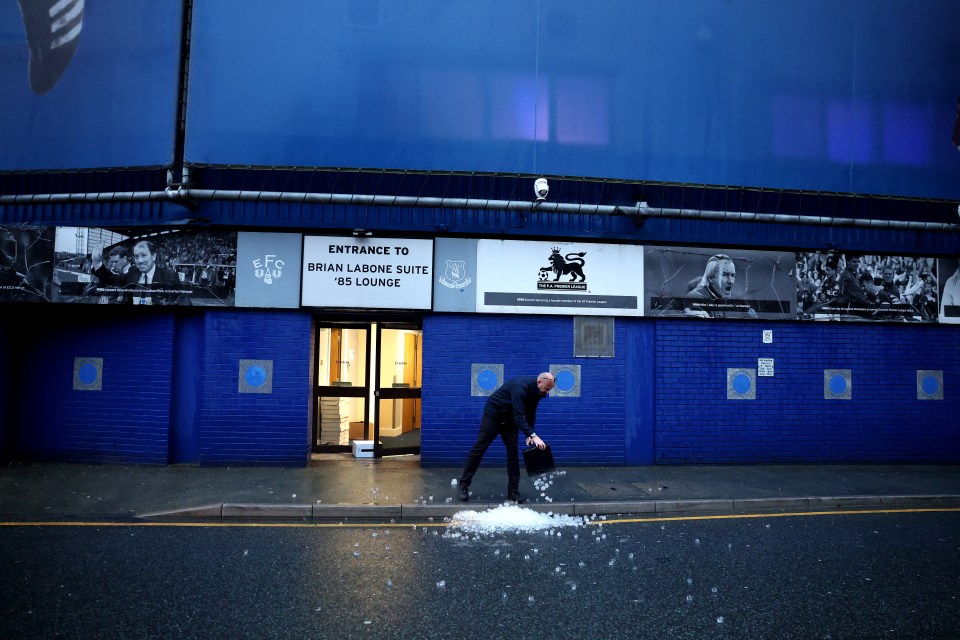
x: 455, y: 275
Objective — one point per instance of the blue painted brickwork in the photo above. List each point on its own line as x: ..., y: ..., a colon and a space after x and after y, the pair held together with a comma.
x: 255, y: 428
x: 587, y: 431
x: 125, y: 422
x: 6, y: 406
x: 790, y: 421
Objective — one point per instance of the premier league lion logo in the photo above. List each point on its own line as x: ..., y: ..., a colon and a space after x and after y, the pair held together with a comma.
x: 571, y: 264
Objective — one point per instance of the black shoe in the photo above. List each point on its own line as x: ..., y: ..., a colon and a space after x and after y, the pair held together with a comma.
x: 514, y: 496
x: 53, y: 31
x: 464, y: 494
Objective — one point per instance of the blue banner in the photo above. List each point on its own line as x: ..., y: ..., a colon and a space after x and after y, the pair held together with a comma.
x: 852, y: 97
x: 88, y: 84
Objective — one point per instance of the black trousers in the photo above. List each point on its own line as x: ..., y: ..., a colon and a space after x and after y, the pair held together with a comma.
x: 490, y: 428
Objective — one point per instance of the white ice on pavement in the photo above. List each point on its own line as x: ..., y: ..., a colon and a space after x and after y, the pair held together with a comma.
x: 510, y: 517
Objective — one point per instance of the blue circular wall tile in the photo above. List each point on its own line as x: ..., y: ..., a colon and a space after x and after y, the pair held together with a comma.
x: 87, y: 373
x: 487, y: 380
x: 741, y: 383
x: 930, y: 385
x: 566, y: 380
x: 838, y: 384
x: 255, y: 376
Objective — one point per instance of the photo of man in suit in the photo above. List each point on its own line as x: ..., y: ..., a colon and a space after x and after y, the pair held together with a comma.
x: 150, y: 283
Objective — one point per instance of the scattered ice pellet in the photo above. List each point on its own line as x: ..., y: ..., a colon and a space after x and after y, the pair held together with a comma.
x: 720, y: 620
x: 441, y: 584
x: 689, y: 598
x: 389, y: 583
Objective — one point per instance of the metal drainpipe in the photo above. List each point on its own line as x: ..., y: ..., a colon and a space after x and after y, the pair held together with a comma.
x: 640, y: 211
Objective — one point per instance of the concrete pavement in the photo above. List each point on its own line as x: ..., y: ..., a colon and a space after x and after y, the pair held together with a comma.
x: 337, y: 487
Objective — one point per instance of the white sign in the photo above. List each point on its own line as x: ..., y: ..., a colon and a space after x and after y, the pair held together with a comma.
x: 768, y: 336
x: 581, y: 278
x: 765, y: 367
x: 367, y: 273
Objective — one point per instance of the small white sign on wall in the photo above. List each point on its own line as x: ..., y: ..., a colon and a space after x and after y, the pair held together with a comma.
x: 768, y: 336
x: 765, y: 367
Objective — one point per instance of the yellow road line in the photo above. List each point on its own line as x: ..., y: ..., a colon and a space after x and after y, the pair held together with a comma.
x: 414, y: 525
x: 736, y: 516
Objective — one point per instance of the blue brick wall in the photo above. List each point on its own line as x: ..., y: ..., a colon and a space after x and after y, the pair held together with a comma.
x: 581, y: 431
x: 668, y: 384
x: 6, y: 406
x: 790, y: 421
x: 661, y: 399
x: 255, y: 428
x: 125, y: 422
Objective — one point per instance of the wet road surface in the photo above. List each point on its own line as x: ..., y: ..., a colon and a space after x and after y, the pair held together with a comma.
x: 850, y: 575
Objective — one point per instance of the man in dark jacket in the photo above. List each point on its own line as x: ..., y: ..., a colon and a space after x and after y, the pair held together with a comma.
x: 510, y: 409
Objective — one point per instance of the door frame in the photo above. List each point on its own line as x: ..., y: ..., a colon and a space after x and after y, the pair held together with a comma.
x: 371, y: 391
x: 336, y: 390
x: 393, y: 393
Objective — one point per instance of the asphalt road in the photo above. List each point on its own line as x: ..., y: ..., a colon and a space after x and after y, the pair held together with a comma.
x: 883, y: 575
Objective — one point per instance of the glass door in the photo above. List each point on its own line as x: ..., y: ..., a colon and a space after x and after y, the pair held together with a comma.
x: 368, y: 381
x: 344, y: 353
x: 398, y: 389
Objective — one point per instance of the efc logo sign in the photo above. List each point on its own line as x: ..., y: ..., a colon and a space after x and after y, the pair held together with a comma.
x: 267, y: 269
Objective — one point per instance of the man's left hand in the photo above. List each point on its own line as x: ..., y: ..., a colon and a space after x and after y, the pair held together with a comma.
x: 535, y: 440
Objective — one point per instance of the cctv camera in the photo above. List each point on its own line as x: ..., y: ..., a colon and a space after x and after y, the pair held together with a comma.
x: 541, y: 188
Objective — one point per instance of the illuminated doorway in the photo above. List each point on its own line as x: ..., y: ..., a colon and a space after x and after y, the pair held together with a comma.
x: 368, y: 388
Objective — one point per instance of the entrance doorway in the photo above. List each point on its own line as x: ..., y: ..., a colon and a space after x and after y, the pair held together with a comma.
x: 368, y: 387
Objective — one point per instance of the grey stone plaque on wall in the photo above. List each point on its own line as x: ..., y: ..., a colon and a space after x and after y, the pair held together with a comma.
x: 837, y: 384
x: 485, y: 378
x: 568, y: 380
x: 741, y: 384
x: 929, y: 384
x: 256, y: 376
x: 88, y: 374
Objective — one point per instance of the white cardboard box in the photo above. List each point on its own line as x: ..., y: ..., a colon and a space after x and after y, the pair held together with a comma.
x: 362, y: 448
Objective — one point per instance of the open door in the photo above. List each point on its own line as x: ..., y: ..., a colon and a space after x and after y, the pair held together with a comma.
x: 368, y: 386
x: 398, y: 390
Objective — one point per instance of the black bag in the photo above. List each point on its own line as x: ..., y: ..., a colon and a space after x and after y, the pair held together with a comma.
x: 537, y: 460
